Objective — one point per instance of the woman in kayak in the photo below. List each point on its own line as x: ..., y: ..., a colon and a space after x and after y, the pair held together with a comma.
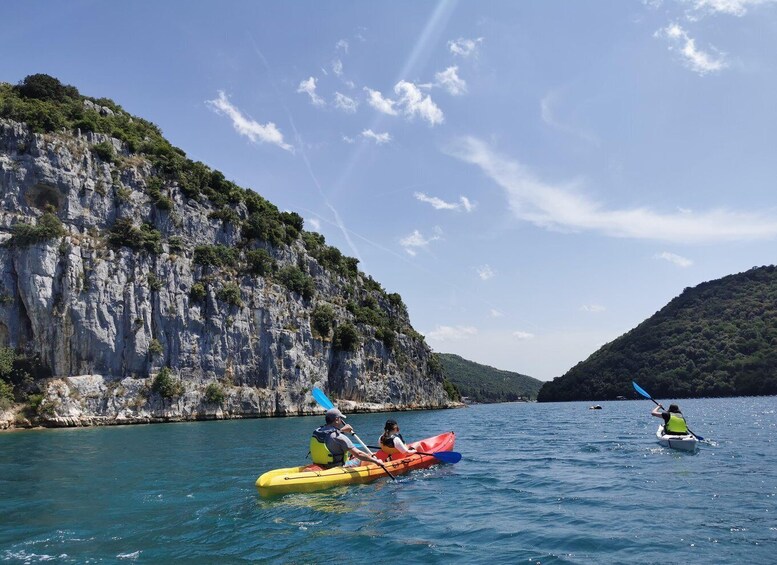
x: 674, y: 422
x: 392, y: 442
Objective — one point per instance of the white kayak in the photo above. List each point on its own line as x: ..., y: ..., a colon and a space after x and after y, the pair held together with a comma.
x: 687, y: 442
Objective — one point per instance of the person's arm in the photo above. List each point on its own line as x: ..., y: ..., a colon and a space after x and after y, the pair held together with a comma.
x: 348, y: 445
x: 401, y: 447
x: 359, y: 454
x: 658, y: 411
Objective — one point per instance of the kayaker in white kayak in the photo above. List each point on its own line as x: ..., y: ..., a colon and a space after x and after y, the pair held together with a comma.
x: 391, y: 441
x: 674, y: 421
x: 330, y: 447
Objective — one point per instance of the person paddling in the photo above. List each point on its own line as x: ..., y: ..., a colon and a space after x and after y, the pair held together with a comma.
x: 392, y: 442
x: 330, y: 447
x: 674, y: 421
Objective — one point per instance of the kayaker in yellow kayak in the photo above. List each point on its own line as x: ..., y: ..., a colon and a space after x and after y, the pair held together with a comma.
x: 392, y: 442
x: 674, y: 421
x: 330, y: 447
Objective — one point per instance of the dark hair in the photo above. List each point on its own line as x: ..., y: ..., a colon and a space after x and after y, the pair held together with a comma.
x: 674, y: 408
x: 390, y: 425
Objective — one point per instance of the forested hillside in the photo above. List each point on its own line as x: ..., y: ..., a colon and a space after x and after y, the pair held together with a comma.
x: 481, y: 383
x: 716, y: 339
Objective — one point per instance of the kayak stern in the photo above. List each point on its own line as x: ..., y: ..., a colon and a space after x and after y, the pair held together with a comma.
x: 687, y: 442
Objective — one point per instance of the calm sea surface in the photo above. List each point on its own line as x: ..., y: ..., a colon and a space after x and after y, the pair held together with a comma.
x: 539, y: 483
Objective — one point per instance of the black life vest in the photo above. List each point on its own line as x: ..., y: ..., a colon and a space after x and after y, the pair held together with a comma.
x: 387, y: 443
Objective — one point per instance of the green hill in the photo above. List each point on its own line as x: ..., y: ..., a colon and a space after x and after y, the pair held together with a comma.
x: 716, y: 339
x: 481, y: 383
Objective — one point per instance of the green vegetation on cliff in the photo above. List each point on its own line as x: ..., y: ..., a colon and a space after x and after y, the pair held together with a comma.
x: 481, y: 383
x: 717, y: 339
x: 17, y: 377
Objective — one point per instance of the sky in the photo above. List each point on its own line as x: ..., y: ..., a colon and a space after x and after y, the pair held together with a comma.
x: 534, y: 179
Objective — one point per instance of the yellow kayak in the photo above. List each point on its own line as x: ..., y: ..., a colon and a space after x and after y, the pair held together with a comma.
x: 307, y: 478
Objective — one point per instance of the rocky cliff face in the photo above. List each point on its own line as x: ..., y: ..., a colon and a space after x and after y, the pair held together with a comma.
x: 104, y: 319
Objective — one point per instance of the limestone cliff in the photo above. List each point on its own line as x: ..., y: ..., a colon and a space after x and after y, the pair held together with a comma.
x: 140, y: 275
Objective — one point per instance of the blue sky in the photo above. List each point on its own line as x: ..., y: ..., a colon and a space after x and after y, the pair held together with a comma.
x: 534, y: 178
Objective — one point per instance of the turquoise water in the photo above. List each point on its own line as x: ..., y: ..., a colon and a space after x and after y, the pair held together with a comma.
x: 539, y: 483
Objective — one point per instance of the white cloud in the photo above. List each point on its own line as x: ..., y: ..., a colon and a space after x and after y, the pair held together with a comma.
x: 437, y: 203
x: 523, y: 335
x: 464, y: 47
x: 337, y: 67
x: 593, y: 308
x: 451, y: 333
x: 309, y: 87
x: 728, y: 7
x: 379, y: 138
x: 695, y: 59
x: 563, y: 207
x: 416, y: 240
x: 253, y: 130
x: 345, y: 103
x: 314, y: 224
x: 415, y: 103
x: 342, y: 45
x: 440, y: 204
x: 412, y: 102
x: 381, y: 104
x: 348, y: 139
x: 450, y: 81
x: 494, y: 313
x: 485, y: 272
x: 676, y: 259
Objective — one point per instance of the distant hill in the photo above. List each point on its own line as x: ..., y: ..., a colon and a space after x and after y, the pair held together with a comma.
x: 481, y: 383
x: 716, y: 339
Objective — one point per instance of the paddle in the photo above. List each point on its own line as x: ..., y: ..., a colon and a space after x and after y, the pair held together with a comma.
x: 324, y: 401
x: 451, y: 457
x: 644, y: 393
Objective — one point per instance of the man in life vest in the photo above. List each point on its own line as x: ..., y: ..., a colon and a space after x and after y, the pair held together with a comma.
x: 392, y: 442
x: 330, y: 447
x: 674, y: 422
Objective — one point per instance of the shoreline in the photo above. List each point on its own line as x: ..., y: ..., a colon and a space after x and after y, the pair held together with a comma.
x: 13, y: 424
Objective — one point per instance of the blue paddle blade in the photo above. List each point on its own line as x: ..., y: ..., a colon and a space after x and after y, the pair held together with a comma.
x: 444, y: 456
x: 322, y: 399
x: 640, y: 390
x: 448, y: 456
